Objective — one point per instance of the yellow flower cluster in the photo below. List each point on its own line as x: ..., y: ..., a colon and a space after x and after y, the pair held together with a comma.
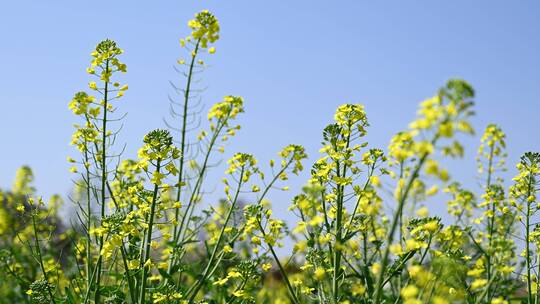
x: 205, y: 28
x: 491, y: 147
x: 105, y: 58
x: 228, y: 108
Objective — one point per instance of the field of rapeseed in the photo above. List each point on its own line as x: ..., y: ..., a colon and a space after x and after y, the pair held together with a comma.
x: 144, y: 233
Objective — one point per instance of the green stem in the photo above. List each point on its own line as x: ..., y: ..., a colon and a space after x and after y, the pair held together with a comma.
x: 491, y: 222
x: 393, y: 227
x: 86, y: 297
x: 199, y: 282
x: 198, y: 184
x: 281, y: 269
x: 339, y: 227
x: 355, y: 210
x: 527, y: 247
x: 337, y: 245
x: 103, y: 176
x: 183, y: 137
x: 40, y: 257
x: 89, y: 217
x: 261, y: 228
x: 149, y: 237
x: 128, y: 276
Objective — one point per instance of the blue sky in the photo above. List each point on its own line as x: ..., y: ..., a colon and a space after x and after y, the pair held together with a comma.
x: 293, y: 62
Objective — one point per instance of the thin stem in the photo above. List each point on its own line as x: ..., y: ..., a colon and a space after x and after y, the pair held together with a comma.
x: 393, y: 227
x: 527, y: 246
x: 128, y: 277
x: 183, y: 136
x: 89, y: 217
x: 339, y: 227
x: 198, y: 183
x: 86, y: 296
x: 103, y: 176
x: 261, y: 228
x: 491, y: 222
x: 40, y: 257
x: 199, y: 282
x: 149, y: 237
x: 281, y: 270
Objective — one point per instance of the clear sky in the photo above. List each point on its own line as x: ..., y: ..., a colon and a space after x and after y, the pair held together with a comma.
x: 293, y: 62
